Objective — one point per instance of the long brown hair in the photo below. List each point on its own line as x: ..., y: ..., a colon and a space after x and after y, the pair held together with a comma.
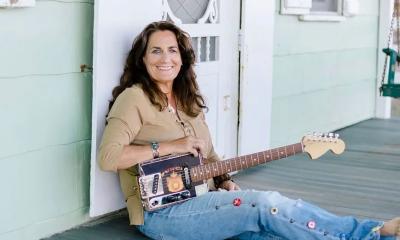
x: 185, y: 86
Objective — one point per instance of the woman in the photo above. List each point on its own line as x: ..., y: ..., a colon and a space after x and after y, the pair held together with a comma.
x: 157, y: 110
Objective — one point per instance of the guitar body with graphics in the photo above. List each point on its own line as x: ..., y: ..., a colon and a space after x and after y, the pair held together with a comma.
x: 165, y: 181
x: 176, y: 178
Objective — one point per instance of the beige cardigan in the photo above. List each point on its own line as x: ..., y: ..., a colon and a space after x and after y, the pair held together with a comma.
x: 134, y: 120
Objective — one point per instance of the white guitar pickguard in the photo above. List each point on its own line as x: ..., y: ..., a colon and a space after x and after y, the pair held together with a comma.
x: 201, y: 189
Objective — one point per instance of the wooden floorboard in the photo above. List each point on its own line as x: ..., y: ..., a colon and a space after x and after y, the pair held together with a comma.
x: 364, y: 181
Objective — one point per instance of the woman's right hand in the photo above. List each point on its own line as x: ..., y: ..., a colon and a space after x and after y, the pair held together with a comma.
x: 188, y: 144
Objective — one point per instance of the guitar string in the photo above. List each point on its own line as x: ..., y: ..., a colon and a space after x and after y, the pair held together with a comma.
x: 236, y: 161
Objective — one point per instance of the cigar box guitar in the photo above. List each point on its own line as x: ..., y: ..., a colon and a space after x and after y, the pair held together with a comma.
x: 176, y: 178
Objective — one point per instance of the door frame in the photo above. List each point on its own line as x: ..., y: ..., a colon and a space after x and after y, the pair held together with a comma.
x: 256, y: 75
x: 112, y: 40
x: 255, y: 79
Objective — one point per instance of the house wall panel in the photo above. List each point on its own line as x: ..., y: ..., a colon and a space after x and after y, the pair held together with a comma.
x: 296, y: 37
x: 48, y: 183
x: 302, y: 73
x: 369, y: 8
x: 321, y: 111
x: 50, y: 38
x: 44, y: 111
x: 46, y: 115
x: 324, y: 74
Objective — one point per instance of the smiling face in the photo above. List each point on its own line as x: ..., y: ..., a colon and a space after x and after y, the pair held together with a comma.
x: 162, y: 58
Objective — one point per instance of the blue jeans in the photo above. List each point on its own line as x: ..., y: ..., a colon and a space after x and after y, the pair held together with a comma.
x: 255, y: 215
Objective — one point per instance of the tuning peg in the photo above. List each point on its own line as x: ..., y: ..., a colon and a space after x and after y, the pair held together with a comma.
x: 321, y: 137
x: 314, y: 136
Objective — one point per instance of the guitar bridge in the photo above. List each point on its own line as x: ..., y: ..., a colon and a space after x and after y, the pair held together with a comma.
x: 167, y: 180
x: 150, y: 185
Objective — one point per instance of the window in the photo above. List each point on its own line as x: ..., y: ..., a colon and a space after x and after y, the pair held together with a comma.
x: 320, y: 10
x: 324, y: 10
x: 326, y: 6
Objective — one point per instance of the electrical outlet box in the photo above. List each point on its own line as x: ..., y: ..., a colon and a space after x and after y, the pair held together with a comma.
x: 16, y: 3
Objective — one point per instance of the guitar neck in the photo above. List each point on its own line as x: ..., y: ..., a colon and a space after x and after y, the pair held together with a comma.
x: 206, y: 171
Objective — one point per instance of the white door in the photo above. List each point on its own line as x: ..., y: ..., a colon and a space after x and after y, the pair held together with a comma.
x: 214, y: 28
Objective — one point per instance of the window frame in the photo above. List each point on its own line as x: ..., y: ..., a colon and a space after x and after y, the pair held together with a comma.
x: 302, y: 8
x: 328, y: 16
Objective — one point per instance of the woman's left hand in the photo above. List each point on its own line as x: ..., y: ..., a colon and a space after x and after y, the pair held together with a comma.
x: 230, y: 185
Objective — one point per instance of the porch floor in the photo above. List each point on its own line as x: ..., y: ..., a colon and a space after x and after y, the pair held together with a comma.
x: 364, y: 181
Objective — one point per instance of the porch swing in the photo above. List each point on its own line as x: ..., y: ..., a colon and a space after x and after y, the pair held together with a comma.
x: 392, y: 89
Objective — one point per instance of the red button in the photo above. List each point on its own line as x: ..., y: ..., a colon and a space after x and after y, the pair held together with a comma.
x: 237, y: 202
x: 311, y: 224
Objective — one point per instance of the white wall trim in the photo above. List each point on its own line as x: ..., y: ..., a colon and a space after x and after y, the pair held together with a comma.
x: 383, y: 104
x: 113, y: 36
x: 322, y: 18
x: 256, y: 76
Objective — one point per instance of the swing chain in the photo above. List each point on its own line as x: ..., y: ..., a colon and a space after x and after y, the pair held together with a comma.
x: 395, y: 15
x: 396, y: 6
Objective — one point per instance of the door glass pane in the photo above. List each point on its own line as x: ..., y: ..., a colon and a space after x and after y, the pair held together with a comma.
x: 189, y: 11
x: 324, y: 5
x: 206, y: 48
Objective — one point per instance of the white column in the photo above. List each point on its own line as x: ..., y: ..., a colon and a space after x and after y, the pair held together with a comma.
x: 383, y: 104
x: 256, y: 75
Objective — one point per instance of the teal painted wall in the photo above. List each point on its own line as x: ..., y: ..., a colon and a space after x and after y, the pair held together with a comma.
x: 45, y: 119
x: 324, y: 79
x: 324, y: 73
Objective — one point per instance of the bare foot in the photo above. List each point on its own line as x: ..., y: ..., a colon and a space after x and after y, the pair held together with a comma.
x: 391, y: 228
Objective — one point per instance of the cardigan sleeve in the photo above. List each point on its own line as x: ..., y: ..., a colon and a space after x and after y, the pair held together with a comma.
x: 123, y: 123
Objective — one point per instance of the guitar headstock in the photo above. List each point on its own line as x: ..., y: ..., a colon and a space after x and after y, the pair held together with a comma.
x: 318, y: 144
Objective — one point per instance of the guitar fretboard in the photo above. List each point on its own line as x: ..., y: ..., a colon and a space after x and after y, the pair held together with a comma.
x: 210, y: 170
